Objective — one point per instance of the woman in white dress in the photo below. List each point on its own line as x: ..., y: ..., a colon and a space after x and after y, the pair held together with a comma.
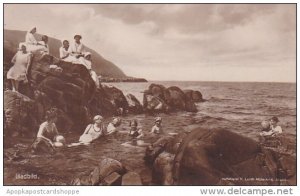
x: 18, y: 71
x: 93, y: 131
x: 32, y: 44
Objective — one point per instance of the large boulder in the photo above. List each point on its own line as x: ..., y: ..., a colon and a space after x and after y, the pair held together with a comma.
x: 212, y: 157
x: 134, y: 106
x: 196, y: 96
x: 116, y: 96
x: 159, y: 98
x: 68, y: 87
x: 19, y: 114
x: 105, y: 173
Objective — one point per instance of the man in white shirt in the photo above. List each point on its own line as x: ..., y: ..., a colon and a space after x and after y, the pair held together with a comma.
x: 77, y: 49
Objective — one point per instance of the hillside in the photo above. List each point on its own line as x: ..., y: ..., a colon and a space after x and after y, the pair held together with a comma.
x: 12, y: 38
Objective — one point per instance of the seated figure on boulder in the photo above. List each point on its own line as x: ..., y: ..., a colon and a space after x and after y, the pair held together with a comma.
x: 32, y: 44
x: 64, y: 52
x: 46, y: 136
x: 44, y: 43
x: 77, y: 49
x: 93, y: 131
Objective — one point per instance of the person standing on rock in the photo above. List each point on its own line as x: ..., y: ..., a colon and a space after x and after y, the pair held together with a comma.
x: 77, y: 49
x: 18, y: 71
x: 47, y: 133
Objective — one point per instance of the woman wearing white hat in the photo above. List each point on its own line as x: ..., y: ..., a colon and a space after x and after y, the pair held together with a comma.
x: 32, y: 44
x: 93, y: 131
x: 77, y: 49
x: 18, y: 71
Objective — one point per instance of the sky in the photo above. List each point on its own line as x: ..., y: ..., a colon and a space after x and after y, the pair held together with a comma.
x: 191, y: 42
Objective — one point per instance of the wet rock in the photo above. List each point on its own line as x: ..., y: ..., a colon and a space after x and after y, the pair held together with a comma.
x: 159, y: 98
x: 108, y: 166
x: 210, y: 157
x: 112, y: 179
x: 107, y: 172
x: 162, y: 169
x: 19, y: 114
x: 116, y: 96
x: 68, y: 88
x: 196, y: 96
x: 153, y: 150
x: 154, y: 104
x: 134, y: 106
x: 131, y: 178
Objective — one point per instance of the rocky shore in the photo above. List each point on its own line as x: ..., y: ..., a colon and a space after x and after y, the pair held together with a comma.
x: 198, y: 157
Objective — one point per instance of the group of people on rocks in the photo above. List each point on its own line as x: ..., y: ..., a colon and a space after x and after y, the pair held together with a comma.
x: 74, y: 53
x: 48, y: 138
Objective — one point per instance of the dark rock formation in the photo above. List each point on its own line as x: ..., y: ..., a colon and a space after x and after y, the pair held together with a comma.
x: 205, y: 157
x: 159, y: 98
x: 19, y: 114
x: 134, y: 106
x: 108, y: 172
x: 131, y: 178
x: 69, y: 88
x: 196, y: 96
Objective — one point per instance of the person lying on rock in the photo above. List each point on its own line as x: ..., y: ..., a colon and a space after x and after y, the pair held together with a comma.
x: 45, y: 141
x: 18, y: 71
x: 273, y: 129
x: 157, y: 128
x: 77, y: 49
x: 113, y: 125
x: 93, y: 131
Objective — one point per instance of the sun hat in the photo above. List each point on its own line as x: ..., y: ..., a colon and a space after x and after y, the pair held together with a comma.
x: 77, y: 35
x: 98, y: 117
